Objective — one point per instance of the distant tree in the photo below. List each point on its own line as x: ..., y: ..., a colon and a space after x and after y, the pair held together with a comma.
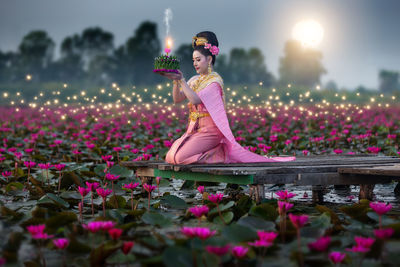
x: 388, y: 81
x: 331, y: 85
x: 101, y: 70
x: 222, y: 67
x: 246, y: 67
x: 3, y: 66
x: 300, y: 66
x: 36, y: 52
x: 81, y: 53
x: 141, y: 50
x: 238, y: 66
x: 96, y: 42
x: 70, y: 64
x: 257, y: 68
x: 185, y: 54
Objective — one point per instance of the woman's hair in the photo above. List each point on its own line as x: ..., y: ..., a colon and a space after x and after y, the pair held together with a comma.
x: 212, y: 39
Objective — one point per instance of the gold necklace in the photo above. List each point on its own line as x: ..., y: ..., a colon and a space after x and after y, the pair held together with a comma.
x: 199, y: 81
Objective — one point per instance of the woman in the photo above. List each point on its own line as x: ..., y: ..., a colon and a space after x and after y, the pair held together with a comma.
x: 208, y: 138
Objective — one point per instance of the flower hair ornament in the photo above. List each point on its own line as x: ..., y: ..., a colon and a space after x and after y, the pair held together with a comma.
x: 197, y: 41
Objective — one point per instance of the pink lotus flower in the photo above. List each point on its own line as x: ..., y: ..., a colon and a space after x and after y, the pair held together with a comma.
x: 117, y: 149
x: 366, y: 242
x: 239, y: 251
x: 200, y: 189
x: 158, y: 180
x: 111, y: 177
x: 109, y: 164
x: 215, y: 198
x: 338, y: 151
x: 103, y: 192
x: 6, y: 174
x: 284, y: 195
x: 284, y: 206
x: 321, y: 244
x: 107, y: 225
x: 189, y: 231
x: 380, y: 207
x: 106, y: 157
x: 92, y: 186
x: 127, y: 246
x: 59, y: 167
x: 219, y: 251
x: 61, y: 243
x: 167, y: 50
x: 115, y: 233
x: 83, y: 191
x: 204, y: 233
x: 29, y: 164
x: 44, y: 166
x: 199, y: 211
x: 149, y: 188
x: 260, y: 243
x: 93, y: 227
x: 29, y: 150
x: 298, y: 220
x: 267, y: 236
x: 384, y: 233
x: 337, y: 257
x: 58, y: 142
x: 130, y: 186
x: 306, y: 152
x: 37, y: 231
x: 374, y: 150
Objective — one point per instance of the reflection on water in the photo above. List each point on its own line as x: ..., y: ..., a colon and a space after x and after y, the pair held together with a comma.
x: 332, y: 195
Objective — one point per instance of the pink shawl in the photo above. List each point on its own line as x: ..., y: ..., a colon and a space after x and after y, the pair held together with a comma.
x: 211, y: 96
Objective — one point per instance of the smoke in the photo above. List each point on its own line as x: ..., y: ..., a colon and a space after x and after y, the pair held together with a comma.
x: 167, y: 18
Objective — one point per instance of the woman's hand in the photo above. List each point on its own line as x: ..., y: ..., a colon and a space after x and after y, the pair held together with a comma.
x: 172, y: 75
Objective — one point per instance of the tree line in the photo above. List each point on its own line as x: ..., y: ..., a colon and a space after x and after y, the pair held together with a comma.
x: 91, y: 57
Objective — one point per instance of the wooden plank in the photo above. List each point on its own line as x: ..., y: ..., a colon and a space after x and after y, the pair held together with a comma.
x: 145, y: 171
x: 387, y: 170
x: 135, y: 164
x: 270, y: 170
x: 326, y: 161
x: 322, y: 179
x: 242, y: 179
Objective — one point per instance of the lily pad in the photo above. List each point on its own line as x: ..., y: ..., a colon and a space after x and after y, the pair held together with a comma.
x: 155, y: 218
x: 174, y: 202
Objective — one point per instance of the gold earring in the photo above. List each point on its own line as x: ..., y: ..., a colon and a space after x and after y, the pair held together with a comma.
x: 209, y: 68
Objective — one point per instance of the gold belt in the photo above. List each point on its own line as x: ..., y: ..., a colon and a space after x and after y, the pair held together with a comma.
x: 195, y: 115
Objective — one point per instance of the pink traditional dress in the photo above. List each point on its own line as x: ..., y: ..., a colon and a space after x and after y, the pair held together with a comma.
x: 208, y: 138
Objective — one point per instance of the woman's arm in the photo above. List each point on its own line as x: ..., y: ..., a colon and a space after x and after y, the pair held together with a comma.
x: 190, y: 94
x: 187, y: 91
x: 177, y: 94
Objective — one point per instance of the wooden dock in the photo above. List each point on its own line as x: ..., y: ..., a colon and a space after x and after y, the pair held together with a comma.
x: 317, y: 171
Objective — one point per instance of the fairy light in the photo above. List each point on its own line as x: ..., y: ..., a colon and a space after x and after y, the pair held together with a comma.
x: 5, y: 95
x: 28, y: 77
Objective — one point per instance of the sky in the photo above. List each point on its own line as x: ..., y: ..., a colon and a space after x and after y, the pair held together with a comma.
x: 361, y: 37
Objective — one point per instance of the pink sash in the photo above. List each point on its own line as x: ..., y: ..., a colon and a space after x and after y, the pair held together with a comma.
x: 234, y: 152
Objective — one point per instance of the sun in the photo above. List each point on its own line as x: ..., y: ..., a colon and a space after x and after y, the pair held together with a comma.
x: 309, y: 32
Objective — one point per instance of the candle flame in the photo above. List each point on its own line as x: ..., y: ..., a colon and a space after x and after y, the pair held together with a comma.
x: 169, y: 42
